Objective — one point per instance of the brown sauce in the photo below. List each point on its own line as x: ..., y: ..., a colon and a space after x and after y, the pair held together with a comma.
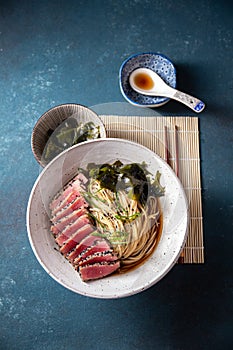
x: 125, y: 269
x: 143, y: 81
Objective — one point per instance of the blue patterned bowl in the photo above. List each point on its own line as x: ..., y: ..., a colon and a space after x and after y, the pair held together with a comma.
x: 155, y: 61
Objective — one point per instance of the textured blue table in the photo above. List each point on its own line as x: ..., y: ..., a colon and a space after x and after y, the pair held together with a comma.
x: 54, y: 52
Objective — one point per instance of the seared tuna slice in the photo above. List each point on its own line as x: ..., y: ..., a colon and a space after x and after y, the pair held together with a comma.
x: 64, y: 203
x: 100, y: 257
x: 58, y: 226
x: 89, y: 253
x: 99, y: 270
x: 86, y: 243
x: 76, y: 238
x: 72, y: 228
x: 77, y: 203
x: 77, y: 183
x: 98, y: 247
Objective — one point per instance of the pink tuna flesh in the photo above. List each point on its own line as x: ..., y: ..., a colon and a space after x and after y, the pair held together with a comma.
x: 75, y: 184
x: 64, y: 203
x: 76, y: 238
x: 86, y: 243
x: 98, y: 247
x: 72, y: 228
x: 69, y: 219
x: 96, y: 271
x: 78, y: 203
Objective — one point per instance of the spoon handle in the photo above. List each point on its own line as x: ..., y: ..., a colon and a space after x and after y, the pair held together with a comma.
x: 192, y: 102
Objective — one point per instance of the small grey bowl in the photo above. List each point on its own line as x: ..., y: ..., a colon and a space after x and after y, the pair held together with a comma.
x: 53, y: 118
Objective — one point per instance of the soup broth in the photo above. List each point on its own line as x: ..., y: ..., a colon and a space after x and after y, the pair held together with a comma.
x: 143, y: 81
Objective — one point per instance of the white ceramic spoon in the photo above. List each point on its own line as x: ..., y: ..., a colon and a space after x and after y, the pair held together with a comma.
x: 145, y: 81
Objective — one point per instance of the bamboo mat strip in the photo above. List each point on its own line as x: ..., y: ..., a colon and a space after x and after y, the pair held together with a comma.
x: 170, y: 137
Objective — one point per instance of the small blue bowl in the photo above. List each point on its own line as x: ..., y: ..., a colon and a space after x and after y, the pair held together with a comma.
x: 159, y: 64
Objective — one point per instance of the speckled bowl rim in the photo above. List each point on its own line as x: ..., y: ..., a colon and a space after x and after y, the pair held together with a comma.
x: 164, y: 100
x: 43, y: 118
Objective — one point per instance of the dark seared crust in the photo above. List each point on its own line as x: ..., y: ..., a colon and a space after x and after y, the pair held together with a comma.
x: 99, y: 257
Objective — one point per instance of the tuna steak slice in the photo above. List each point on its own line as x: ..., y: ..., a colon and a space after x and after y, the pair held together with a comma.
x: 76, y: 238
x: 77, y: 203
x: 60, y: 225
x: 77, y: 183
x: 68, y: 199
x: 99, y: 270
x: 86, y: 243
x: 99, y: 257
x: 72, y: 228
x: 99, y: 246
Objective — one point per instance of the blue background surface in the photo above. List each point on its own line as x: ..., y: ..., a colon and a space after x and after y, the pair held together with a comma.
x: 54, y: 52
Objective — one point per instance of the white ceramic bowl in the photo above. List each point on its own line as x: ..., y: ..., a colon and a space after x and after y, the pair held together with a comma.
x: 60, y: 170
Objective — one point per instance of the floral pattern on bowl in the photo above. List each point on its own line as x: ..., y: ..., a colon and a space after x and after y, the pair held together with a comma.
x: 159, y: 64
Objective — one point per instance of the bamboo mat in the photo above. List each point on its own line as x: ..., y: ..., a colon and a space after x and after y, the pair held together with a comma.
x: 170, y: 137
